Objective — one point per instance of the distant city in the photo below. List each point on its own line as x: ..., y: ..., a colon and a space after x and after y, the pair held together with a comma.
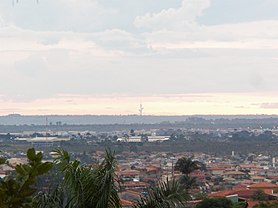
x: 17, y: 119
x: 237, y: 155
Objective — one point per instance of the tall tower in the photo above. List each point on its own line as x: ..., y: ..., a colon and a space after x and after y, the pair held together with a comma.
x: 141, y: 110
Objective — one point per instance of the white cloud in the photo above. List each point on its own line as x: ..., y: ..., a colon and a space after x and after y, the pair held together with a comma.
x: 269, y: 105
x: 109, y: 62
x: 176, y: 55
x: 181, y: 18
x: 62, y: 15
x: 248, y: 35
x: 177, y: 28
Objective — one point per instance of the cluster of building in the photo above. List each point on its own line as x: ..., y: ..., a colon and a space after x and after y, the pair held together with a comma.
x: 233, y: 177
x: 237, y: 177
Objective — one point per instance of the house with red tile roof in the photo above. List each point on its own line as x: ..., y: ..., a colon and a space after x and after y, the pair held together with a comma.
x: 257, y: 179
x: 265, y: 186
x: 216, y: 170
x: 242, y: 193
x: 138, y: 186
x: 246, y: 193
x: 237, y: 175
x: 126, y: 203
x: 128, y: 175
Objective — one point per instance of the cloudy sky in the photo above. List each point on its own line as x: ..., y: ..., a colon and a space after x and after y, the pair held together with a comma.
x: 108, y: 56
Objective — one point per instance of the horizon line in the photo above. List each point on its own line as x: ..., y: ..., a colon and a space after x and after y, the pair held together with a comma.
x: 190, y: 115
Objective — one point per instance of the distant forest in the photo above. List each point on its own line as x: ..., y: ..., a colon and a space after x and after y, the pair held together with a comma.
x: 17, y: 119
x: 18, y: 123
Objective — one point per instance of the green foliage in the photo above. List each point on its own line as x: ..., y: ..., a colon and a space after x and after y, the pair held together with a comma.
x: 240, y: 205
x: 17, y: 189
x: 259, y: 195
x: 2, y: 161
x: 275, y: 191
x: 186, y: 165
x: 49, y: 200
x: 267, y: 205
x: 200, y: 196
x: 187, y: 182
x: 167, y: 194
x: 215, y: 203
x: 220, y: 203
x: 82, y: 186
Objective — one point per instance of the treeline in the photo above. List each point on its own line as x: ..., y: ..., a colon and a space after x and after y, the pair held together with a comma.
x: 17, y: 124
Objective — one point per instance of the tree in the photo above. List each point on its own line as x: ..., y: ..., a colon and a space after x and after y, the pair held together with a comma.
x: 187, y: 182
x: 186, y: 165
x: 241, y: 204
x: 267, y: 205
x: 144, y: 138
x: 132, y: 132
x: 133, y: 148
x: 215, y: 203
x: 82, y: 186
x: 259, y: 195
x: 18, y: 188
x: 167, y: 194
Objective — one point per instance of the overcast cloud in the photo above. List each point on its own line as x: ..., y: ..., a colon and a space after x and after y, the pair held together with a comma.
x: 137, y: 48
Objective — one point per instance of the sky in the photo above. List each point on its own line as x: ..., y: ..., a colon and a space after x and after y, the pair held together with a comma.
x: 176, y: 57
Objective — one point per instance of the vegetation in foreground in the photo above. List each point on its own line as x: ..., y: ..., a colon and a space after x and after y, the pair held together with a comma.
x: 77, y: 185
x: 71, y: 184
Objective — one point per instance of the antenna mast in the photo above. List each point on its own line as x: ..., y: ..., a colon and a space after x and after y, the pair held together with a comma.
x: 141, y: 110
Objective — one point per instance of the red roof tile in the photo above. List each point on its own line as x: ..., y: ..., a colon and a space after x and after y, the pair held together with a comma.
x: 251, y: 204
x: 126, y: 202
x: 241, y: 192
x: 263, y: 185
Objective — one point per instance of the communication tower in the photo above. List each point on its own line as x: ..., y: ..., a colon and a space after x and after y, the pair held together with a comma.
x: 141, y: 110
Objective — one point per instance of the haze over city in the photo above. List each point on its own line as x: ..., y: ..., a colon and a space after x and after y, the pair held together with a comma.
x: 176, y: 57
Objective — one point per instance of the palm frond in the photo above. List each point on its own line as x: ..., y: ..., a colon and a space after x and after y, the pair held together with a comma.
x: 83, y: 186
x: 167, y: 194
